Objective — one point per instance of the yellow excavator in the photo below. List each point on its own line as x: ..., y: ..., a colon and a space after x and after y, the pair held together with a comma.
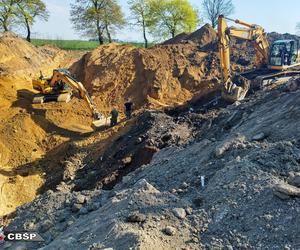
x: 272, y: 62
x: 60, y: 87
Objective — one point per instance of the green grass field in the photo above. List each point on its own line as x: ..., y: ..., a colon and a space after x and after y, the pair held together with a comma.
x: 75, y: 44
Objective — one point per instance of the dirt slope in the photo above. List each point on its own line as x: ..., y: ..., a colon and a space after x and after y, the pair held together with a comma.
x: 28, y: 132
x: 246, y: 153
x: 20, y: 59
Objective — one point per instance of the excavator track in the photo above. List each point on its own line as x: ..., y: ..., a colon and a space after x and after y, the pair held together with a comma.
x: 262, y: 78
x: 64, y: 97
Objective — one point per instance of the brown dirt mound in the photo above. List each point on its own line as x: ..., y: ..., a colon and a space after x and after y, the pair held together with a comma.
x: 29, y: 132
x: 202, y: 37
x: 20, y: 59
x: 162, y: 75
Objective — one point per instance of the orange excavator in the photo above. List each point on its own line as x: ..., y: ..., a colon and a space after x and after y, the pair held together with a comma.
x: 272, y: 62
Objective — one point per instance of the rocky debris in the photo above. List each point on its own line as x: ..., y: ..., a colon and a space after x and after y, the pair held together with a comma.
x: 136, y: 217
x: 293, y: 84
x: 294, y: 179
x: 123, y: 155
x: 180, y: 213
x: 127, y: 160
x: 169, y: 230
x: 189, y: 210
x: 76, y: 207
x: 225, y: 146
x: 284, y: 191
x: 80, y: 199
x: 259, y: 137
x: 272, y: 36
x: 45, y: 226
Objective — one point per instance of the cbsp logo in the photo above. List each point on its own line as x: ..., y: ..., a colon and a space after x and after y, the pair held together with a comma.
x: 22, y: 236
x: 19, y: 236
x: 2, y: 236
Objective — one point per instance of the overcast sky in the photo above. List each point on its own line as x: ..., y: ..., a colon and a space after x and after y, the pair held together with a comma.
x: 274, y: 15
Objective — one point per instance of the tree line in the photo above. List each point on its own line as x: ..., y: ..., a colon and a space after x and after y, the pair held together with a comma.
x: 160, y: 18
x: 22, y: 13
x: 102, y: 18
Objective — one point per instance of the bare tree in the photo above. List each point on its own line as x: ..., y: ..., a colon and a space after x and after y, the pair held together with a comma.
x: 214, y: 8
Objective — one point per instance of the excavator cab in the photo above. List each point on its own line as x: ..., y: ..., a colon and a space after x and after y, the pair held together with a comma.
x: 283, y: 54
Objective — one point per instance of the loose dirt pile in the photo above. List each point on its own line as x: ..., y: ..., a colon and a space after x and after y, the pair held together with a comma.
x: 159, y: 76
x: 28, y: 132
x: 20, y: 59
x: 277, y: 36
x: 202, y: 37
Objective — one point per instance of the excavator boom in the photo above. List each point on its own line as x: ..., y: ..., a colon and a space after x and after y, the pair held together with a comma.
x: 64, y: 76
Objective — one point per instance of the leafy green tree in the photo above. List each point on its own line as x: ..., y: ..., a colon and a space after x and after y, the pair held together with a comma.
x: 95, y: 17
x: 7, y: 13
x: 113, y: 18
x: 28, y: 11
x: 141, y: 16
x: 171, y: 17
x: 214, y: 8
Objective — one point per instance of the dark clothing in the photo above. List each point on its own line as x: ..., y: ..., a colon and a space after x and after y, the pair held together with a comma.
x: 128, y: 109
x: 114, y: 117
x: 128, y: 106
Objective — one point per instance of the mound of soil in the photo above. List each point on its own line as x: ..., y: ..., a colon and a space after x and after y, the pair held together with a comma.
x: 202, y: 37
x: 162, y: 75
x: 20, y: 59
x: 28, y: 132
x: 277, y: 36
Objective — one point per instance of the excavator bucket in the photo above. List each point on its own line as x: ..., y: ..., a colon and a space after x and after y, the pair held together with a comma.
x: 103, y: 122
x: 236, y: 94
x: 237, y: 90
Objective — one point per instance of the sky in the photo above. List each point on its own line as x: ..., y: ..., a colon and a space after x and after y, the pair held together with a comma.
x: 274, y: 15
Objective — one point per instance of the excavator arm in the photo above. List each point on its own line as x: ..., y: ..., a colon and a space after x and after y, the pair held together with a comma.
x: 64, y: 76
x: 255, y: 33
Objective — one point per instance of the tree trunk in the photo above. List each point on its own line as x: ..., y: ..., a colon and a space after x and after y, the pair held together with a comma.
x: 4, y: 24
x: 144, y: 34
x: 99, y: 33
x: 108, y: 33
x: 28, y: 38
x: 173, y: 33
x: 214, y: 23
x: 5, y: 27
